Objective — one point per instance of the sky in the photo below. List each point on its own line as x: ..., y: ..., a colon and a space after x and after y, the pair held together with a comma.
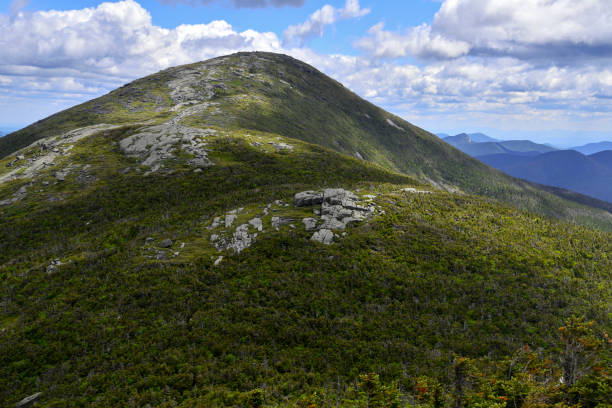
x: 513, y: 69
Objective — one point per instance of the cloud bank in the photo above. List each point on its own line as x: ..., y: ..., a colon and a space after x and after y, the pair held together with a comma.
x: 241, y: 3
x: 559, y: 31
x: 106, y: 45
x: 479, y: 63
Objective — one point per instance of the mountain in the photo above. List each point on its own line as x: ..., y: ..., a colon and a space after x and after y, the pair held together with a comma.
x: 210, y: 236
x: 590, y: 175
x: 467, y: 144
x: 591, y: 148
x: 475, y: 137
x: 604, y: 158
x: 481, y: 137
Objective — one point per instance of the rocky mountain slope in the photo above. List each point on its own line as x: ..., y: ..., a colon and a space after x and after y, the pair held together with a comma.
x: 279, y: 95
x: 246, y: 232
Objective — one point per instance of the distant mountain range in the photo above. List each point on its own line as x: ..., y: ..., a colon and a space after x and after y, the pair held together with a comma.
x: 590, y: 175
x: 585, y: 169
x: 474, y: 137
x: 469, y: 144
x: 593, y: 147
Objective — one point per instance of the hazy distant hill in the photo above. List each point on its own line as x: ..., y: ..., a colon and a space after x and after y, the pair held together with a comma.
x: 590, y: 175
x: 475, y: 137
x: 604, y: 158
x: 481, y: 137
x: 468, y: 144
x: 591, y: 148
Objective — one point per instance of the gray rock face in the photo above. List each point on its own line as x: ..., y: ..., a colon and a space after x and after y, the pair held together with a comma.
x: 241, y: 239
x: 257, y: 224
x: 414, y: 190
x: 155, y: 144
x: 53, y: 266
x: 310, y: 223
x: 216, y: 223
x: 166, y: 243
x: 335, y: 196
x: 62, y: 174
x: 229, y: 220
x: 281, y: 146
x: 339, y: 208
x: 28, y: 401
x: 52, y: 269
x: 323, y: 236
x: 306, y: 198
x: 19, y: 195
x: 29, y: 164
x: 336, y: 208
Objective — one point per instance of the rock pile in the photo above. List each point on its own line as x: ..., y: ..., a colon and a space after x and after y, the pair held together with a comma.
x: 338, y: 208
x: 333, y: 209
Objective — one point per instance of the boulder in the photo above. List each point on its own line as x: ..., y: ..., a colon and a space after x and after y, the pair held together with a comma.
x: 241, y: 239
x: 323, y: 236
x: 333, y: 224
x: 166, y: 243
x: 306, y: 198
x: 28, y: 401
x: 229, y: 220
x: 52, y: 269
x: 257, y: 224
x: 336, y: 195
x: 216, y: 223
x: 310, y: 223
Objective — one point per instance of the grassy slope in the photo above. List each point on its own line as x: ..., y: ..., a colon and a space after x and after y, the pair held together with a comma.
x: 438, y: 274
x: 278, y: 94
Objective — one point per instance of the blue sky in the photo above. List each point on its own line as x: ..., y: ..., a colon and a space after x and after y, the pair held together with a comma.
x: 535, y: 69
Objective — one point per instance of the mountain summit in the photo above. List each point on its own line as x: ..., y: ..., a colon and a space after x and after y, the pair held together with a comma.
x: 246, y: 232
x: 280, y: 95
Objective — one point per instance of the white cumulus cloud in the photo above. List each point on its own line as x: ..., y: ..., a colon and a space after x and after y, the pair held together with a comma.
x: 548, y: 30
x: 326, y: 15
x: 111, y: 43
x: 418, y: 41
x: 242, y: 3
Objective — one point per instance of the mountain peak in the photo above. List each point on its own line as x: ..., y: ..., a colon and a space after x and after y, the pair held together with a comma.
x: 270, y: 101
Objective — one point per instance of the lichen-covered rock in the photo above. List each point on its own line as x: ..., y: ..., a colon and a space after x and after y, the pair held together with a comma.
x: 229, y: 220
x: 218, y: 221
x: 310, y: 223
x: 306, y: 198
x: 241, y: 239
x: 323, y: 236
x: 336, y: 195
x: 28, y: 401
x: 166, y: 243
x: 257, y: 224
